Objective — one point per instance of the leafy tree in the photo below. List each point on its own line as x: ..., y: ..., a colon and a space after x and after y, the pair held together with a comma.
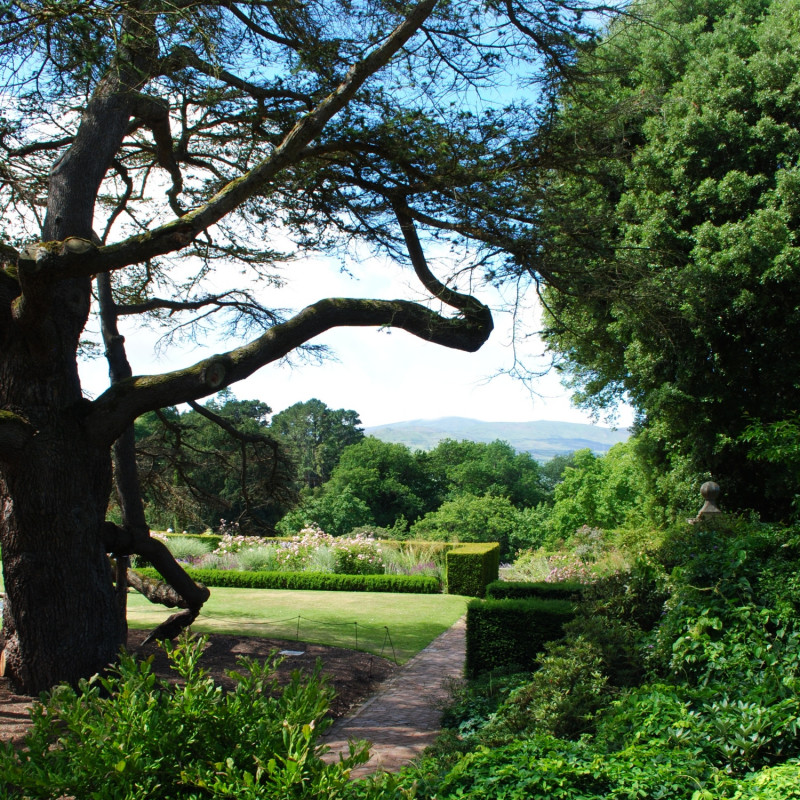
x: 392, y: 481
x: 479, y: 468
x: 669, y: 249
x: 601, y: 492
x: 315, y: 436
x: 470, y: 518
x: 552, y: 471
x: 337, y: 513
x: 145, y: 144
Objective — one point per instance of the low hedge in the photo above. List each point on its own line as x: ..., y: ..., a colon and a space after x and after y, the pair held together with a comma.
x: 512, y: 633
x: 321, y: 581
x: 524, y: 590
x: 471, y: 567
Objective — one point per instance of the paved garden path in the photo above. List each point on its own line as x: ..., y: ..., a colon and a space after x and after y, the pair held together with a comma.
x: 403, y: 717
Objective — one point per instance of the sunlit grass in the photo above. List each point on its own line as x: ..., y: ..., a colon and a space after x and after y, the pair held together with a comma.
x: 377, y: 622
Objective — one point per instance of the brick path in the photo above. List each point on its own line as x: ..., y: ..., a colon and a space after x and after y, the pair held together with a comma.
x: 403, y: 717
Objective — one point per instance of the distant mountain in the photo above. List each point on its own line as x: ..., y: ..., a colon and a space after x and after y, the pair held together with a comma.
x: 542, y: 439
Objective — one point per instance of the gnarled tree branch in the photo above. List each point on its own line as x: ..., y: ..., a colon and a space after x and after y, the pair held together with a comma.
x: 125, y: 401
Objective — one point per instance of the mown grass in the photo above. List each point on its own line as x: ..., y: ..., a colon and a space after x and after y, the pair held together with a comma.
x: 357, y: 620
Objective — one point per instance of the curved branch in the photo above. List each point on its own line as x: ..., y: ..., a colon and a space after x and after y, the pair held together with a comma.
x: 420, y: 263
x: 184, y: 56
x: 154, y: 113
x: 125, y: 401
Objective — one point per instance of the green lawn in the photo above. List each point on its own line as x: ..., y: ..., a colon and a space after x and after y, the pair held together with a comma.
x: 413, y: 620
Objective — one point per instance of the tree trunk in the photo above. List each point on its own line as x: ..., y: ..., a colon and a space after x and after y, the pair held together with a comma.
x: 60, y: 617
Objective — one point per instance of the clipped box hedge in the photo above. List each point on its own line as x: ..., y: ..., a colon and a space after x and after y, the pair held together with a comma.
x: 512, y: 633
x: 321, y: 581
x: 524, y: 590
x: 471, y: 567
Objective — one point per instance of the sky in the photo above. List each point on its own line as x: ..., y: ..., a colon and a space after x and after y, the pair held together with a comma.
x: 385, y: 376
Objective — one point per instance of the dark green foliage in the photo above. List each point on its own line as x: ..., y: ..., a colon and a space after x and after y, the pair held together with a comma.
x: 322, y: 581
x: 471, y: 568
x: 512, y: 633
x: 669, y: 241
x: 545, y: 768
x: 561, y: 698
x: 471, y: 703
x: 634, y: 595
x: 520, y: 590
x: 194, y: 472
x: 133, y: 735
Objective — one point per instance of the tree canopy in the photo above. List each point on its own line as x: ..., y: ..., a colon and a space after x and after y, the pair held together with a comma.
x: 668, y: 248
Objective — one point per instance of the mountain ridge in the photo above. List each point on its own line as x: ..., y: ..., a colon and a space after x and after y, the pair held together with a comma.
x: 543, y: 439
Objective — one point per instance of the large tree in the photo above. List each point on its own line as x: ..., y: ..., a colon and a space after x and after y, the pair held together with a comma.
x: 668, y: 250
x: 315, y: 436
x: 145, y: 143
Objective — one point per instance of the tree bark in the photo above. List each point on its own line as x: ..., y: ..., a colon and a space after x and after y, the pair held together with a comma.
x: 60, y: 620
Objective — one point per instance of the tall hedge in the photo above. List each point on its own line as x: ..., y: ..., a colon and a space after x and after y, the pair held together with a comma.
x: 512, y: 633
x: 471, y: 567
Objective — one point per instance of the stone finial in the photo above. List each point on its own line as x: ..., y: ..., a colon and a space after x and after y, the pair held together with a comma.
x: 710, y: 492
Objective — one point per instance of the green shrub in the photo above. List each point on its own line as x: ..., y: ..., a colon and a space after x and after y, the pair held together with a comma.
x: 188, y: 547
x: 512, y: 633
x: 521, y: 590
x: 471, y: 704
x: 358, y: 556
x: 469, y: 518
x: 133, y: 735
x: 562, y: 698
x: 257, y: 559
x: 322, y: 581
x: 544, y: 768
x: 472, y: 567
x: 211, y: 539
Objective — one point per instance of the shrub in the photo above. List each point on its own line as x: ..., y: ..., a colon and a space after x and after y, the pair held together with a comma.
x: 134, y: 735
x: 258, y: 559
x: 358, y: 555
x: 415, y: 558
x: 468, y: 518
x: 562, y: 698
x: 521, y: 590
x: 186, y: 548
